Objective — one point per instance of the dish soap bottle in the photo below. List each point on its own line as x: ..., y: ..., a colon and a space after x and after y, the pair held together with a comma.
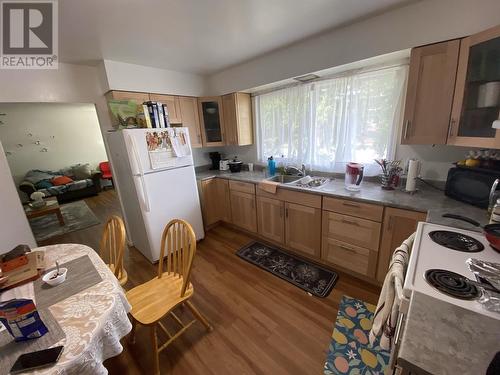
x: 271, y: 166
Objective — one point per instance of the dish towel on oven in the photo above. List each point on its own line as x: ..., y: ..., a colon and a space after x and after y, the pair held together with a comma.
x: 386, y: 314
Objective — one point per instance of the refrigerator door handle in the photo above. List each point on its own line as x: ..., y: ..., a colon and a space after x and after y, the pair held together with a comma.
x: 140, y: 174
x: 136, y: 167
x: 144, y: 194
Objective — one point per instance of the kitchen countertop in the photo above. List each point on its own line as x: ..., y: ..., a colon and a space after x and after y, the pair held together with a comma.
x: 427, y: 199
x: 442, y: 338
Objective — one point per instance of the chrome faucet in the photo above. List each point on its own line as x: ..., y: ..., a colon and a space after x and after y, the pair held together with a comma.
x: 293, y: 170
x: 493, y: 194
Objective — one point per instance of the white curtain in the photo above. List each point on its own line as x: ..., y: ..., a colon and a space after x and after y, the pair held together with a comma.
x: 329, y: 123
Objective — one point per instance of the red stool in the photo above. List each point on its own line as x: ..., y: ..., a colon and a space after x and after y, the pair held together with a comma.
x: 106, y: 171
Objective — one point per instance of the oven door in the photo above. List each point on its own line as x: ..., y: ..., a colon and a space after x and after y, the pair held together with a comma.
x: 470, y: 185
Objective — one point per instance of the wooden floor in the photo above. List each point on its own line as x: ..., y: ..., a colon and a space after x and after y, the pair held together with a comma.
x: 262, y: 324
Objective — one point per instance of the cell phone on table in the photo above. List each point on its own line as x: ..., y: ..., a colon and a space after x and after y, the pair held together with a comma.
x: 38, y: 359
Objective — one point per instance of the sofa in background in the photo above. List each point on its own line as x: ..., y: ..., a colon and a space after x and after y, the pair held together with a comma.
x: 82, y: 182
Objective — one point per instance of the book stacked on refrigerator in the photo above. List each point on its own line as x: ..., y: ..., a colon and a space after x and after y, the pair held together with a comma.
x: 156, y: 115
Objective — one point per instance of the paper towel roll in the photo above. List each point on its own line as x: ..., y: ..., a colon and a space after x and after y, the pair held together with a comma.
x: 411, y: 178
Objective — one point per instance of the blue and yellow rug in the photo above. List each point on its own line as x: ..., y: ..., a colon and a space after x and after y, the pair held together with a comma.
x: 350, y: 352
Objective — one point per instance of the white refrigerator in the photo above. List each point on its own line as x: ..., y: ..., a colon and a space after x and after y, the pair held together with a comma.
x: 153, y: 170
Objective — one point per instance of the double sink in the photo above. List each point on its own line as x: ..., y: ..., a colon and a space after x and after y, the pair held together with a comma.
x: 306, y: 182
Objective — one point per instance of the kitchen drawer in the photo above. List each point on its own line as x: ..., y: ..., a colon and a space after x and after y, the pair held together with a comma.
x: 304, y: 199
x: 243, y: 187
x: 352, y: 208
x: 350, y: 229
x: 350, y: 257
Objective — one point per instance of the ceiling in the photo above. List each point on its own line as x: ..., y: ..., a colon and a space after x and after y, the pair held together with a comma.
x: 197, y: 36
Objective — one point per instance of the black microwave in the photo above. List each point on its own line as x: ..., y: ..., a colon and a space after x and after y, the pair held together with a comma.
x: 471, y: 185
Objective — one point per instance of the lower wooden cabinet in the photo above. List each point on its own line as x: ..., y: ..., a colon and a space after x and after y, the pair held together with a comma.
x: 398, y: 226
x: 303, y: 229
x: 352, y: 230
x: 336, y: 239
x: 215, y: 201
x: 244, y: 210
x: 271, y: 219
x: 350, y: 257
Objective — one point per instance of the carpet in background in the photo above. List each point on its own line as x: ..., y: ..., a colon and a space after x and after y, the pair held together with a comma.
x: 77, y: 215
x: 306, y: 275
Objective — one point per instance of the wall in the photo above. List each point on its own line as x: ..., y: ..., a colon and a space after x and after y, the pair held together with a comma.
x: 131, y: 77
x: 416, y: 24
x: 247, y: 154
x: 14, y: 227
x: 69, y: 84
x: 70, y: 132
x: 436, y: 160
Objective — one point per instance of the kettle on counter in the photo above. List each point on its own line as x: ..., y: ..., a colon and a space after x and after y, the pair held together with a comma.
x: 224, y: 164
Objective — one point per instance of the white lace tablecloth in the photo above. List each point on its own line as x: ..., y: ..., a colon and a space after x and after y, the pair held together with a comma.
x: 93, y: 320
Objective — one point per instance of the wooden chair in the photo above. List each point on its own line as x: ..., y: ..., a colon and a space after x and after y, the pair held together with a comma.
x: 112, y: 247
x: 158, y: 297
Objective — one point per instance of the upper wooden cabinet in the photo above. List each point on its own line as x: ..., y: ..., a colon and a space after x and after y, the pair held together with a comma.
x: 138, y: 97
x: 191, y: 119
x: 429, y: 98
x: 453, y: 92
x: 397, y: 227
x: 238, y: 119
x: 212, y: 121
x: 477, y: 103
x: 172, y: 104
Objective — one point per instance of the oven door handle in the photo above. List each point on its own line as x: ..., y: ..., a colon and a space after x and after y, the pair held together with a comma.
x: 395, y: 346
x: 399, y: 327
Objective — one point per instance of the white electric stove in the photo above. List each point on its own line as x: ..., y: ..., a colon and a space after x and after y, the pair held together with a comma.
x: 430, y: 252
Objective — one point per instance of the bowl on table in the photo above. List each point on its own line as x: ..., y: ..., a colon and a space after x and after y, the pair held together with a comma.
x: 53, y: 278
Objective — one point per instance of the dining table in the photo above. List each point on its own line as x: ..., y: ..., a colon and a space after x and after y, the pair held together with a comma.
x: 93, y: 319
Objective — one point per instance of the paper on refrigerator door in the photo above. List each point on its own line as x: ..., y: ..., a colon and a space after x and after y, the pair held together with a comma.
x: 160, y: 150
x: 180, y: 143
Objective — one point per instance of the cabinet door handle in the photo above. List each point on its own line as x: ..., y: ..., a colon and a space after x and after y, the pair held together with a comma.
x: 452, y: 125
x: 347, y: 249
x: 286, y: 212
x: 350, y: 204
x: 350, y: 222
x: 407, y: 126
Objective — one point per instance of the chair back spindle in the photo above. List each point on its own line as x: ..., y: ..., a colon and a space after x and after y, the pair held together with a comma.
x: 112, y: 244
x: 178, y: 246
